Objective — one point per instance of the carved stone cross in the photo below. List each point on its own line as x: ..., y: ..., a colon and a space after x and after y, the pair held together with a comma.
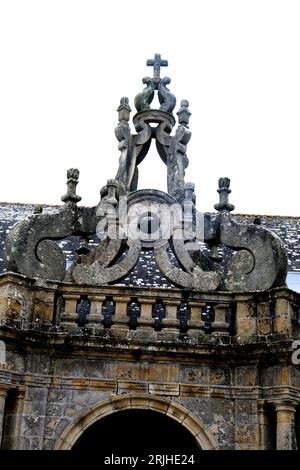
x: 157, y: 63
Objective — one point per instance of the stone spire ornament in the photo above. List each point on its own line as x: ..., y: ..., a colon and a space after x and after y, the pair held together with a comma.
x: 224, y: 192
x: 155, y: 124
x: 71, y: 196
x: 184, y: 114
x: 193, y: 251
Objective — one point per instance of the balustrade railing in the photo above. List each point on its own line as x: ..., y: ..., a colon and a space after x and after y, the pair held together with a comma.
x: 168, y: 313
x: 154, y: 311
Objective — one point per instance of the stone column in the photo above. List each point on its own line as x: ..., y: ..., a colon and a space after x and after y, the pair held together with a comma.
x: 285, y: 430
x: 262, y: 425
x: 3, y: 395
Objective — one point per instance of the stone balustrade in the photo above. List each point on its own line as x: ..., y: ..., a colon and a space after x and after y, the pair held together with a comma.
x: 169, y: 312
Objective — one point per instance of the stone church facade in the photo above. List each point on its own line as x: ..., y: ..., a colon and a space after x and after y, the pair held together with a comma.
x: 207, y: 346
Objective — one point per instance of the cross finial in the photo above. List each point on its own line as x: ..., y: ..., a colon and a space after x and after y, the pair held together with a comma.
x: 157, y: 63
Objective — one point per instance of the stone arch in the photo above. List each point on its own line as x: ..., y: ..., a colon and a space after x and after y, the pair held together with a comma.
x: 136, y: 401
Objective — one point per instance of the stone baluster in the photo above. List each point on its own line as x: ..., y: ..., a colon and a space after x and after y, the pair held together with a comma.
x: 146, y: 321
x: 170, y: 322
x: 220, y: 326
x: 69, y: 317
x: 120, y: 318
x: 195, y: 322
x: 285, y: 430
x: 95, y: 316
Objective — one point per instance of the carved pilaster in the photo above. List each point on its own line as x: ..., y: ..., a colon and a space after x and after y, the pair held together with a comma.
x: 13, y: 436
x: 262, y: 425
x: 3, y: 395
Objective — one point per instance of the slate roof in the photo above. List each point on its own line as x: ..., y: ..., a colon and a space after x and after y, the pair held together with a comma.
x: 146, y: 273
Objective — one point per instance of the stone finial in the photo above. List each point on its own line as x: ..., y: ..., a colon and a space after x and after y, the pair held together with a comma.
x: 71, y: 196
x: 189, y: 203
x: 124, y: 110
x: 111, y: 191
x: 224, y: 191
x: 189, y: 192
x: 184, y: 113
x: 112, y: 186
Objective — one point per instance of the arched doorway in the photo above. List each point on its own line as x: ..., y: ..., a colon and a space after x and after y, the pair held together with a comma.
x: 147, y: 431
x: 137, y: 402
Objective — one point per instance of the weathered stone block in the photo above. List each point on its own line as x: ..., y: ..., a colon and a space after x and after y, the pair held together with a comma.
x: 246, y: 375
x: 264, y: 326
x: 164, y: 389
x: 132, y: 371
x: 194, y: 374
x: 159, y: 372
x: 219, y: 376
x: 245, y: 326
x: 127, y: 387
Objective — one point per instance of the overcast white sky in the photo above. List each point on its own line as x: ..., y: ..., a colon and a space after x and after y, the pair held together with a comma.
x: 64, y: 65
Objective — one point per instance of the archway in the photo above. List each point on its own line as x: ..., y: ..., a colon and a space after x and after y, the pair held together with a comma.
x: 192, y: 431
x: 129, y: 431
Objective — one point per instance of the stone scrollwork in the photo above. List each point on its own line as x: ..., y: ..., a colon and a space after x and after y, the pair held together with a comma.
x: 192, y: 277
x: 144, y: 99
x: 220, y: 254
x: 166, y: 98
x: 98, y: 272
x: 31, y: 249
x: 259, y: 262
